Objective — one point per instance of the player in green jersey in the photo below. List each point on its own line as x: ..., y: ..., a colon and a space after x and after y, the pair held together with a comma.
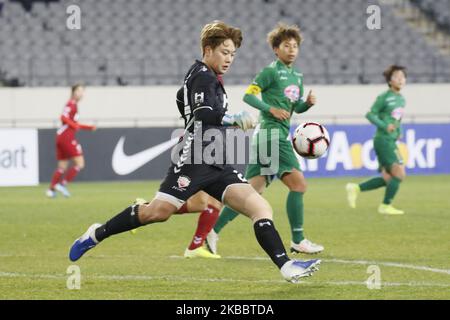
x: 386, y: 114
x: 281, y: 88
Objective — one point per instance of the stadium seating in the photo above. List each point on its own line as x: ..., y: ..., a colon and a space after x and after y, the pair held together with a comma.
x: 153, y: 42
x: 438, y: 10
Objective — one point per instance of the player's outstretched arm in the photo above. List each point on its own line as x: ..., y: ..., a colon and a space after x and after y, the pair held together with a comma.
x: 72, y: 124
x: 243, y: 119
x: 87, y: 127
x: 75, y: 125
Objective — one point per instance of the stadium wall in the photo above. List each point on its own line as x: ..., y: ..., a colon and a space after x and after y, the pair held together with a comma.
x: 144, y: 118
x: 27, y: 156
x: 155, y: 106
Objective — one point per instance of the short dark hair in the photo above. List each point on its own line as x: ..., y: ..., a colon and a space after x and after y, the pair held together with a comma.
x: 76, y: 86
x: 284, y: 32
x: 390, y: 70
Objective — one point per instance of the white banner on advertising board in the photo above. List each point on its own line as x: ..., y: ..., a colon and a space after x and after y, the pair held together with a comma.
x: 19, y: 157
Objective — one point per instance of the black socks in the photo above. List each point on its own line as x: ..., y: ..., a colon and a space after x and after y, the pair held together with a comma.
x: 126, y: 220
x: 270, y: 241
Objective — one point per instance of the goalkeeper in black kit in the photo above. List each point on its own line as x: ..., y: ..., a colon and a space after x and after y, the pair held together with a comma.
x: 205, y: 108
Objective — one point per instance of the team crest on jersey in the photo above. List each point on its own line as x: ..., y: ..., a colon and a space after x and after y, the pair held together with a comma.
x: 397, y: 113
x: 183, y: 182
x: 292, y: 92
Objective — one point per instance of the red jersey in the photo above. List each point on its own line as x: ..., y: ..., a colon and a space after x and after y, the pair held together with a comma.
x: 70, y: 124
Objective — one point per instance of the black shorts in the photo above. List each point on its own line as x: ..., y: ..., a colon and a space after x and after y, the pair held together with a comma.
x: 182, y: 183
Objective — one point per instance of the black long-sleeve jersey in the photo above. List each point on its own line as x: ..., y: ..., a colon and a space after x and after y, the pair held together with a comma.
x: 203, y: 100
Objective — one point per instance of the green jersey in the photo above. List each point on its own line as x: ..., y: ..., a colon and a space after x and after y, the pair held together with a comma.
x: 387, y: 109
x: 280, y: 87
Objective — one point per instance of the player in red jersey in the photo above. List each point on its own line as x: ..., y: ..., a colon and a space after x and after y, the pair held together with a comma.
x: 209, y: 209
x: 67, y: 147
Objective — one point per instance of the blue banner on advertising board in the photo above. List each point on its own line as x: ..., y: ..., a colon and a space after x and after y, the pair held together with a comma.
x: 425, y: 149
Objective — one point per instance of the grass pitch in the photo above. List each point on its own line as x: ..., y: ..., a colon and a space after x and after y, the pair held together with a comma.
x: 410, y: 251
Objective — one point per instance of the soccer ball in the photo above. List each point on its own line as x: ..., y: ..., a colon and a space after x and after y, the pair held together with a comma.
x: 311, y: 140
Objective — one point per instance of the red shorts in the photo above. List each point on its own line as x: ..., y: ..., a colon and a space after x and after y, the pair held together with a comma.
x: 67, y: 149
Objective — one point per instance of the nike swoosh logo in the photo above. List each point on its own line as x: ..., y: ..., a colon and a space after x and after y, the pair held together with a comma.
x: 123, y: 164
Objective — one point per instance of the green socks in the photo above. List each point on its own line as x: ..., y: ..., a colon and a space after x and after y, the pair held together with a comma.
x: 372, y: 184
x: 226, y: 215
x: 391, y: 189
x: 294, y: 207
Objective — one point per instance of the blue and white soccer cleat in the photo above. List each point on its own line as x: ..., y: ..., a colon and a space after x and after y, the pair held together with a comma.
x: 50, y: 193
x: 293, y: 270
x: 84, y: 243
x: 61, y: 188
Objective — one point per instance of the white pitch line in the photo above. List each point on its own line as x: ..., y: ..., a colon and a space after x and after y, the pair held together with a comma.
x: 390, y: 264
x: 362, y: 262
x: 343, y: 261
x: 192, y: 279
